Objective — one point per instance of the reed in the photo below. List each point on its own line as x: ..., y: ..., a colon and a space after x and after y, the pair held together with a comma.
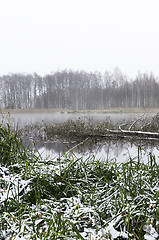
x: 70, y: 198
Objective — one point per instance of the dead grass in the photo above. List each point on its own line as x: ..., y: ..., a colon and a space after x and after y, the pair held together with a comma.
x: 51, y: 110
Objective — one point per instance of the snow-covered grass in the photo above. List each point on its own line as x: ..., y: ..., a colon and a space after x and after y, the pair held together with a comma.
x: 73, y: 198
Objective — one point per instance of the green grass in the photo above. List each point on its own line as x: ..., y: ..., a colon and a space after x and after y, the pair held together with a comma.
x: 80, y: 129
x: 70, y: 198
x: 77, y: 129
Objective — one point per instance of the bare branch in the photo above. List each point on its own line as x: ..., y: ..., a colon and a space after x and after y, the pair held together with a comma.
x: 124, y: 124
x: 135, y: 121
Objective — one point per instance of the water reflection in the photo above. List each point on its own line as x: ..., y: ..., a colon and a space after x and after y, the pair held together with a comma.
x: 116, y: 150
x: 119, y: 151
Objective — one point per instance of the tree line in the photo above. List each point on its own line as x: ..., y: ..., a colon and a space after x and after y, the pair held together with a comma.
x: 79, y: 90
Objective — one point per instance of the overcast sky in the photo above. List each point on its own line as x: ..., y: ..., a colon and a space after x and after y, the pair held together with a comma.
x: 46, y: 35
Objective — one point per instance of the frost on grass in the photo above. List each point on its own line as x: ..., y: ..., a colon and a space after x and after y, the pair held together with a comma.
x: 151, y: 233
x: 71, y: 198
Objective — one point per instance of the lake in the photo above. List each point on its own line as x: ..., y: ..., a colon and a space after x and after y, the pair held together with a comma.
x: 116, y: 150
x: 111, y: 150
x: 25, y: 118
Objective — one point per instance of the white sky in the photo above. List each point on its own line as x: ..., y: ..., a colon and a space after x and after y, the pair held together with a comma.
x: 46, y: 35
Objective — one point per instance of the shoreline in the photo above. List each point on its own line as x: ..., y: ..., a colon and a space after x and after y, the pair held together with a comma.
x: 50, y: 110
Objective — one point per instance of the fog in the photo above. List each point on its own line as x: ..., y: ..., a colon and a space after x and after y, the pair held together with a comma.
x: 21, y: 120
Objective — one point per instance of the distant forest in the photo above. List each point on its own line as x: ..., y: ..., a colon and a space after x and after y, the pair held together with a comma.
x: 79, y: 90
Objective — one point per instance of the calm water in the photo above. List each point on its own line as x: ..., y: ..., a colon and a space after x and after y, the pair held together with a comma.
x: 112, y: 150
x: 26, y: 119
x: 119, y: 151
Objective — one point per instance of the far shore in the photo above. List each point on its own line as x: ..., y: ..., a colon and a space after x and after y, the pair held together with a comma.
x: 51, y: 110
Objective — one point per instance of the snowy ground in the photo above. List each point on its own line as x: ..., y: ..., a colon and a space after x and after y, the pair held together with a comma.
x: 70, y: 198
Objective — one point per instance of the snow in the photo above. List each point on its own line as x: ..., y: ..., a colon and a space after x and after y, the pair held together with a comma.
x: 151, y: 233
x: 74, y: 208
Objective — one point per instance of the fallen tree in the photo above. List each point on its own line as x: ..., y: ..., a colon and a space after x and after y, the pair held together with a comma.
x: 142, y: 124
x: 142, y: 127
x: 141, y: 134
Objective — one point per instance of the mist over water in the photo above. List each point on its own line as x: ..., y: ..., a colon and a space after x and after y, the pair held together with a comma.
x: 26, y: 119
x: 111, y: 150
